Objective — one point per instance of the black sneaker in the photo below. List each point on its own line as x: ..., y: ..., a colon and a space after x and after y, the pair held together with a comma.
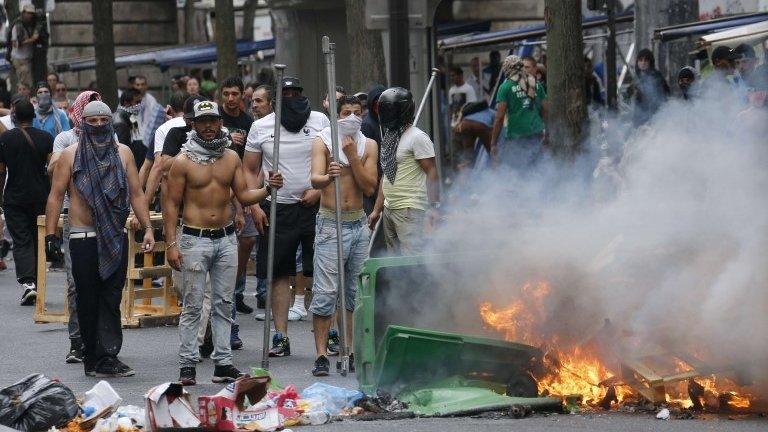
x: 281, y: 346
x: 110, y: 367
x: 261, y: 303
x: 123, y: 369
x: 226, y: 374
x: 322, y: 366
x: 333, y: 342
x: 206, y: 349
x: 89, y: 367
x: 240, y: 305
x: 29, y: 296
x: 75, y: 354
x: 187, y: 376
x: 234, y: 338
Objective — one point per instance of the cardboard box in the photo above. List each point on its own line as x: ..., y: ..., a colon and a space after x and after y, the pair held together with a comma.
x: 169, y: 406
x: 237, y: 408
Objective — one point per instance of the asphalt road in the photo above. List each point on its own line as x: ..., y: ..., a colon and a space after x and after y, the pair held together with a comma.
x: 28, y: 348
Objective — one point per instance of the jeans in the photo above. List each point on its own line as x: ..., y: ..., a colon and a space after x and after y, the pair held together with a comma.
x: 72, y: 326
x: 22, y: 225
x: 203, y: 257
x: 520, y: 154
x: 98, y: 300
x: 325, y: 285
x: 403, y: 230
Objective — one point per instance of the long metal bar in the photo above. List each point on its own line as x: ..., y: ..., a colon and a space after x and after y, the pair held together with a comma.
x: 279, y: 69
x: 329, y: 51
x: 610, y: 56
x: 431, y: 82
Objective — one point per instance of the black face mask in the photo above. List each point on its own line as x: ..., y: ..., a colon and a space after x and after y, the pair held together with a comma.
x: 294, y: 113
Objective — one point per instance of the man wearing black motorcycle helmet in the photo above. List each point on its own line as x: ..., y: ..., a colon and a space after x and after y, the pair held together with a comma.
x: 409, y: 200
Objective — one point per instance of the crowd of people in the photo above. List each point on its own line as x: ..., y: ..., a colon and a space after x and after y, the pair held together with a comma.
x: 206, y: 161
x: 208, y: 165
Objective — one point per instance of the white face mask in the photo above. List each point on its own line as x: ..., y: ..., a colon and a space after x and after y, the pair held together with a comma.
x: 350, y: 126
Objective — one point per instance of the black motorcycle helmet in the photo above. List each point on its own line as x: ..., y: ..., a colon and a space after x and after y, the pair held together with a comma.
x: 396, y: 107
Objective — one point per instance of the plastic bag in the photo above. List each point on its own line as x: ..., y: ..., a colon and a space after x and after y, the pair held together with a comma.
x: 36, y: 403
x: 334, y: 399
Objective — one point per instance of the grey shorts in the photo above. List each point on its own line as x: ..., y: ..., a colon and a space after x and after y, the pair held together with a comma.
x: 325, y: 285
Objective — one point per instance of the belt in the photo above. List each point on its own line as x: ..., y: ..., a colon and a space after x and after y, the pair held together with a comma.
x: 89, y: 234
x: 82, y: 235
x: 212, y: 233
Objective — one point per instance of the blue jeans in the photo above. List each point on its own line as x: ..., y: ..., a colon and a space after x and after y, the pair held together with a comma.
x: 325, y: 285
x: 202, y: 257
x: 520, y: 153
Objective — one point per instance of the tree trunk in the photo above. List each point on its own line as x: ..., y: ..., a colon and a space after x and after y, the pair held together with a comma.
x: 104, y: 47
x: 364, y: 44
x: 249, y: 11
x: 566, y: 108
x: 225, y: 40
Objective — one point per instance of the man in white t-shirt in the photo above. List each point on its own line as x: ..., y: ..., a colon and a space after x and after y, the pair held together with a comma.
x: 474, y: 77
x: 297, y: 201
x: 459, y: 94
x: 410, y: 198
x: 154, y: 165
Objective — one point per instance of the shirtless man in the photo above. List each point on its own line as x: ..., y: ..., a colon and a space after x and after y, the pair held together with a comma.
x: 356, y: 169
x: 201, y: 177
x: 100, y: 177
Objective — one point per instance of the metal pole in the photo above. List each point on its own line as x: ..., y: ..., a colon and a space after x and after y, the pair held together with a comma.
x: 279, y: 69
x: 610, y: 56
x: 431, y: 82
x: 329, y: 50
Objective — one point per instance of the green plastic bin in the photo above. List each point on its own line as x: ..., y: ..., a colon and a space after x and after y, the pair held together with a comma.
x: 397, y: 345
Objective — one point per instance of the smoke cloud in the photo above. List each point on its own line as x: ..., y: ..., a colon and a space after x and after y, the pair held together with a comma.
x: 669, y: 241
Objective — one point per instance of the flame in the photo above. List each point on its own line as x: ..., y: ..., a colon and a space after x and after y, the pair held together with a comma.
x: 569, y: 371
x: 574, y: 371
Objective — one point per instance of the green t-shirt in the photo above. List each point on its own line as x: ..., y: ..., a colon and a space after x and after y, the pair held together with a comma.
x: 523, y: 114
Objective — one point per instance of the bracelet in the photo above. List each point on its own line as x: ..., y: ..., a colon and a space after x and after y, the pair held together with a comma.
x: 173, y: 243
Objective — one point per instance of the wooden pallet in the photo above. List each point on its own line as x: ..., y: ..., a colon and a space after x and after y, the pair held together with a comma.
x: 142, y: 304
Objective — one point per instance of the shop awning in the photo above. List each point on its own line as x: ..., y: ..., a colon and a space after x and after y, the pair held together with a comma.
x: 697, y: 28
x: 733, y: 37
x: 513, y: 35
x: 184, y: 55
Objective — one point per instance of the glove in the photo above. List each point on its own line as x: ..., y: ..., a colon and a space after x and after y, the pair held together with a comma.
x: 53, y: 248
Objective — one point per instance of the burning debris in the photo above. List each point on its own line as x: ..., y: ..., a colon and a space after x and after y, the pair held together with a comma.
x: 599, y: 373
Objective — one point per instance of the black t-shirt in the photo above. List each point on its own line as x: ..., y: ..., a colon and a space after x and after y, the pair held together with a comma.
x: 27, y: 179
x: 242, y: 122
x: 174, y: 139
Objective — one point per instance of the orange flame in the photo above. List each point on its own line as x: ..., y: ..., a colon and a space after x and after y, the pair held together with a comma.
x: 572, y: 371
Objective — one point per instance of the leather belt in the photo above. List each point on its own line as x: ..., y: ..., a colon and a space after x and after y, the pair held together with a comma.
x: 211, y: 233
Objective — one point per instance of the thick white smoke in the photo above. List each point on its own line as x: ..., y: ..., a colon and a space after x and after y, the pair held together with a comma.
x: 677, y: 255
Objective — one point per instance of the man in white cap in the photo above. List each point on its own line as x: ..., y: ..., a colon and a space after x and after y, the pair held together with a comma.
x: 201, y: 177
x: 102, y: 182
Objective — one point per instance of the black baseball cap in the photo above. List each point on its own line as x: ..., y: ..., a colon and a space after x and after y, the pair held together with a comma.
x: 292, y: 83
x: 724, y: 52
x: 189, y: 105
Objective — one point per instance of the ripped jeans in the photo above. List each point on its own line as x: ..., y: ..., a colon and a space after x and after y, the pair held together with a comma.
x: 201, y: 257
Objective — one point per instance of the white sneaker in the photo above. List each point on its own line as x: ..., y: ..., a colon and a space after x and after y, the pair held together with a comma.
x: 260, y: 317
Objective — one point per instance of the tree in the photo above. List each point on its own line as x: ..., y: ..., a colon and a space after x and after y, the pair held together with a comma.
x: 249, y: 12
x: 366, y: 49
x: 104, y: 47
x: 225, y: 39
x: 566, y: 108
